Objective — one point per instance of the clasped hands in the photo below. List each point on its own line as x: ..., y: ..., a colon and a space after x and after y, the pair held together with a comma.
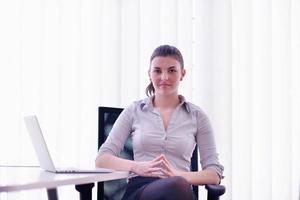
x: 158, y: 167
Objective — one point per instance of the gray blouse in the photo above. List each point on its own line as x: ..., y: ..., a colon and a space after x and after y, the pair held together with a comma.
x: 187, y: 127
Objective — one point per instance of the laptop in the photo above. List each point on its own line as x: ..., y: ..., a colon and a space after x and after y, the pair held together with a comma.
x: 43, y: 154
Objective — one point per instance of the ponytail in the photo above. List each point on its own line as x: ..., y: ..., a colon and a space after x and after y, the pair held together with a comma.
x: 150, y: 90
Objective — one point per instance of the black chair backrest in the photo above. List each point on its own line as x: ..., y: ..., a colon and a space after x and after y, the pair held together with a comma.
x: 114, y: 190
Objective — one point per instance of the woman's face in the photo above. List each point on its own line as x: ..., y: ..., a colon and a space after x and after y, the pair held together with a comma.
x: 165, y: 74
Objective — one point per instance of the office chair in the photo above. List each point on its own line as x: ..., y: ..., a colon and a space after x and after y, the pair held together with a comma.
x: 114, y: 190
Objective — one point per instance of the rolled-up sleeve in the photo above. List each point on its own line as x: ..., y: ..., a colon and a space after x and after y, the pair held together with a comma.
x: 206, y: 144
x: 119, y: 133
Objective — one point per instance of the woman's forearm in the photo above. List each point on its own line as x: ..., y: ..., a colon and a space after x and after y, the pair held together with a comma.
x: 113, y: 162
x: 203, y: 177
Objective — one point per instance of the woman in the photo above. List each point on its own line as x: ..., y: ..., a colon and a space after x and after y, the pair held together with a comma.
x: 165, y: 129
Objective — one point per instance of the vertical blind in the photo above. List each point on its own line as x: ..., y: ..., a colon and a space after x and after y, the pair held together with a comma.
x: 62, y: 59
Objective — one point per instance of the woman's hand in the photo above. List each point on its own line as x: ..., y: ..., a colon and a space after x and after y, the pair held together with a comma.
x: 167, y: 170
x: 207, y: 176
x: 158, y: 167
x: 149, y: 168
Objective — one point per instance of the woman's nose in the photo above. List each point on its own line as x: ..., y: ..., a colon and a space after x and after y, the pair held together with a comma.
x: 164, y: 76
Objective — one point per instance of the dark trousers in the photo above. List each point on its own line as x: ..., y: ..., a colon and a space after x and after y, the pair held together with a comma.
x: 152, y: 188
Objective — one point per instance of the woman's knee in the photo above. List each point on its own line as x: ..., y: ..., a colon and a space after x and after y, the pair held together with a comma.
x: 172, y: 188
x: 179, y: 182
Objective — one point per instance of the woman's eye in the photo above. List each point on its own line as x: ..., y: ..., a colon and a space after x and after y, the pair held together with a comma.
x: 172, y: 70
x: 157, y: 71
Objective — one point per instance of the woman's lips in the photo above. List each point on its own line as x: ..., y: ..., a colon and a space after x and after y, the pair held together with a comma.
x: 164, y: 85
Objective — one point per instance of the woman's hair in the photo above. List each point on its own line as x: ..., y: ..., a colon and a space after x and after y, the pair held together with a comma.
x: 164, y: 51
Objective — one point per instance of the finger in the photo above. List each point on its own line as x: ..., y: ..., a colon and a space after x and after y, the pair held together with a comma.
x: 163, y: 176
x: 166, y: 173
x: 149, y: 175
x: 156, y: 172
x: 152, y: 172
x: 154, y: 169
x: 166, y: 166
x: 164, y: 163
x: 156, y: 163
x: 166, y: 160
x: 158, y: 158
x: 162, y: 157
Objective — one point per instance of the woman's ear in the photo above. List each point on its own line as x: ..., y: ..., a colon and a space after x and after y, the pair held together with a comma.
x: 182, y: 74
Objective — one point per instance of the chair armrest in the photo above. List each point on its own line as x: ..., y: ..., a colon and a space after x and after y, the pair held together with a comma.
x: 214, y: 191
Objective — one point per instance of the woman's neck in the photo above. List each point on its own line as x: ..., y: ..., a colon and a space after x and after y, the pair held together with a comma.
x: 166, y: 102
